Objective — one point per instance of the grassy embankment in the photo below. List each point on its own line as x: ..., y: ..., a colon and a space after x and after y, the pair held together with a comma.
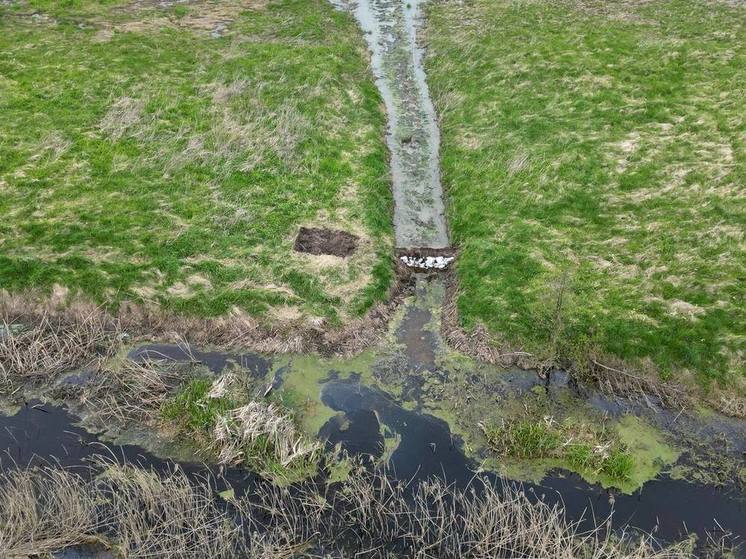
x: 168, y: 154
x: 595, y: 160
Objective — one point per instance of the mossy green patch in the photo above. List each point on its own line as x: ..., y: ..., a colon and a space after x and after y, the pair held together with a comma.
x: 301, y: 384
x: 339, y: 470
x: 648, y: 447
x: 192, y: 407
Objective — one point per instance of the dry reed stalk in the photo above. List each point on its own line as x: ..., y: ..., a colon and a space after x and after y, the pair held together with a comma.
x: 51, y: 345
x: 40, y: 338
x: 134, y: 390
x: 368, y: 515
x: 258, y: 423
x: 42, y: 510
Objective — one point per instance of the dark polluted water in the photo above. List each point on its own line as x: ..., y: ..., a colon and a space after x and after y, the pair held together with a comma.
x: 369, y: 421
x: 666, y: 507
x: 43, y: 434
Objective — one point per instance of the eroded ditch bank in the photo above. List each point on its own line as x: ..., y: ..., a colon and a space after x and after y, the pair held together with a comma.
x: 419, y: 409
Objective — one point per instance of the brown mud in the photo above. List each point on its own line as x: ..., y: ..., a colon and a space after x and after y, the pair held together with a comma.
x: 325, y: 241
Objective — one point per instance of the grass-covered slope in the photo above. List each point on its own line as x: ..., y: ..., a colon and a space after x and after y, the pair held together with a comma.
x: 167, y: 152
x: 595, y: 159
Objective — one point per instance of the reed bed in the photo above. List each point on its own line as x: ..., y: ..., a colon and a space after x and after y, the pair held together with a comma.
x: 140, y: 513
x: 52, y: 345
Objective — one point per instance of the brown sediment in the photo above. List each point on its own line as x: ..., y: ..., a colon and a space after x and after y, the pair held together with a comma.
x: 318, y: 241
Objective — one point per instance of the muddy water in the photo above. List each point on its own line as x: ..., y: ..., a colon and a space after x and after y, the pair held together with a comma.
x: 413, y: 138
x: 365, y: 416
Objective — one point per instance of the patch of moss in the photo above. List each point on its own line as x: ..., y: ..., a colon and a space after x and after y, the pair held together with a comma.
x: 339, y: 470
x: 647, y: 446
x: 301, y: 385
x: 585, y: 448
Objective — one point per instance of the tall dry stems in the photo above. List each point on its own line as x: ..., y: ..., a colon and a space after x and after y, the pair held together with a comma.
x: 368, y: 515
x: 51, y: 345
x: 258, y: 423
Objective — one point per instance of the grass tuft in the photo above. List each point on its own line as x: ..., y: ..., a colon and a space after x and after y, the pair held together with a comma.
x: 582, y: 447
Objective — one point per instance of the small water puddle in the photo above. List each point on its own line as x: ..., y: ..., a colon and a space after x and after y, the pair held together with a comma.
x: 215, y: 361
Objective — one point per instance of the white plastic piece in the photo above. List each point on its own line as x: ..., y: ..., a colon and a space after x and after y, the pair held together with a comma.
x: 427, y: 262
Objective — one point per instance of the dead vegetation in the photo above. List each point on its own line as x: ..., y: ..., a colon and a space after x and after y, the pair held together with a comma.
x: 52, y: 344
x: 645, y: 387
x: 202, y: 17
x: 41, y: 338
x: 133, y: 391
x: 262, y: 427
x: 239, y: 138
x: 730, y: 404
x: 140, y: 513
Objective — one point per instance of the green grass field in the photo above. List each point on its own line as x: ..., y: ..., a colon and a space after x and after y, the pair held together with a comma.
x: 594, y: 154
x: 166, y: 153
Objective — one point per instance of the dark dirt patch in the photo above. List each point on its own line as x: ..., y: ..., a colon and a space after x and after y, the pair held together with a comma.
x: 325, y: 241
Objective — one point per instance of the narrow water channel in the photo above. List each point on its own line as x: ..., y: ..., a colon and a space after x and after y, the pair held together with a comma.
x: 413, y: 138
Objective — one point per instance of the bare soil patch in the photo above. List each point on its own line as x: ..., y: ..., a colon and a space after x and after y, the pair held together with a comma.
x: 325, y: 241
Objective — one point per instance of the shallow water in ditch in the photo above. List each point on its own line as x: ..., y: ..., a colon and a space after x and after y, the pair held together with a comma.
x: 415, y: 443
x: 413, y: 138
x: 418, y: 445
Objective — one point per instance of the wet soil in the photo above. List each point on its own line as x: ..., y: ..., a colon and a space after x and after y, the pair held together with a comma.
x: 325, y: 241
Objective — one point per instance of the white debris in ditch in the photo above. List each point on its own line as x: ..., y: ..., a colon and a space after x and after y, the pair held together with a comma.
x: 427, y: 262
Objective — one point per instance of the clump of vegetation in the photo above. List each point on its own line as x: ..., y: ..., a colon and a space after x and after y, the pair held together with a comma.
x: 51, y: 345
x: 261, y: 435
x: 582, y: 446
x: 194, y: 408
x: 264, y: 437
x: 597, y: 146
x: 134, y: 511
x: 139, y: 514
